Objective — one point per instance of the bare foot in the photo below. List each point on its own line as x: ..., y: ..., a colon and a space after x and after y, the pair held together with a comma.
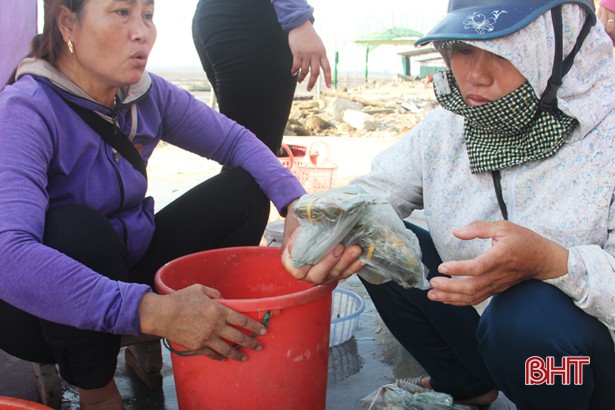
x: 105, y: 398
x: 426, y: 382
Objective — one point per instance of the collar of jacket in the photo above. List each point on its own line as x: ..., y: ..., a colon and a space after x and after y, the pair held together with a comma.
x: 41, y: 68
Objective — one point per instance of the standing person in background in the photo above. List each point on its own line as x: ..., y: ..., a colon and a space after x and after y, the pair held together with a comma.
x: 254, y: 52
x: 79, y: 240
x: 17, y: 27
x: 606, y: 14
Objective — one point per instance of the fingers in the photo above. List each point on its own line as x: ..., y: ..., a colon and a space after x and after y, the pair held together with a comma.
x: 237, y: 332
x: 311, y: 65
x: 347, y: 265
x: 207, y: 352
x: 460, y: 291
x: 232, y: 336
x: 211, y: 292
x: 354, y: 268
x: 516, y: 254
x: 301, y: 67
x: 224, y: 349
x: 479, y: 229
x: 455, y: 299
x: 336, y: 265
x: 473, y: 267
x: 326, y: 69
x: 242, y: 321
x: 208, y: 327
x: 298, y: 273
x: 221, y: 350
x: 294, y: 70
x: 306, y: 64
x: 314, y: 72
x: 309, y: 54
x: 487, y: 262
x: 323, y: 271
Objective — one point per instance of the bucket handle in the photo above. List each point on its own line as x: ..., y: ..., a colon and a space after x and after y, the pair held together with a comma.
x: 182, y: 353
x: 190, y: 353
x: 265, y: 323
x: 314, y: 149
x: 291, y: 156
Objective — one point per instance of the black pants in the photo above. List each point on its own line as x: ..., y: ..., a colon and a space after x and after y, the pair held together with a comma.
x: 246, y: 57
x: 466, y: 354
x: 226, y: 210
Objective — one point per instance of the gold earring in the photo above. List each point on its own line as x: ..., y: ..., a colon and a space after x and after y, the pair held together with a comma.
x: 71, y: 47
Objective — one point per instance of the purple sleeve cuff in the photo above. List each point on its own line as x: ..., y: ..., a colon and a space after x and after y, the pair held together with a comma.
x: 292, y: 13
x: 122, y: 301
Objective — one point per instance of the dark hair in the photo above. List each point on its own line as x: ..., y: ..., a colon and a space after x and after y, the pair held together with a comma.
x: 49, y: 44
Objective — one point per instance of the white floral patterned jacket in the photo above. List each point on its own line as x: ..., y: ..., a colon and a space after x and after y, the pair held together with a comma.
x: 568, y: 197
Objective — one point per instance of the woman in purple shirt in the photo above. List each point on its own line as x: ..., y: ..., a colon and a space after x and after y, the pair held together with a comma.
x: 79, y: 241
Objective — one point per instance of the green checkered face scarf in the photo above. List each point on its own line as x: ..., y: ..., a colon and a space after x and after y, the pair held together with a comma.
x: 508, y: 131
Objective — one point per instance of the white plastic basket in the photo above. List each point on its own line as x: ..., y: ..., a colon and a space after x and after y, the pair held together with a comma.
x: 311, y: 165
x: 274, y: 232
x: 346, y: 308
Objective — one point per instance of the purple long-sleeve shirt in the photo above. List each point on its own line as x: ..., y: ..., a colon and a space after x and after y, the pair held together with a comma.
x: 49, y: 158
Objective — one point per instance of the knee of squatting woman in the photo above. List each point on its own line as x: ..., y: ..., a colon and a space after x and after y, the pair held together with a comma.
x: 79, y: 240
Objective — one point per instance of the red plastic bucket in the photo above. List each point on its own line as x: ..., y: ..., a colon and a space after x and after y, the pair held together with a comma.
x: 291, y: 370
x: 12, y: 403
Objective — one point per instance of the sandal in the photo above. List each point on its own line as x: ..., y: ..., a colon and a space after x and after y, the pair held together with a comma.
x: 482, y: 402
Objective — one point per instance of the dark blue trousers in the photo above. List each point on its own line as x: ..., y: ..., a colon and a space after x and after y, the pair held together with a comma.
x: 466, y: 354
